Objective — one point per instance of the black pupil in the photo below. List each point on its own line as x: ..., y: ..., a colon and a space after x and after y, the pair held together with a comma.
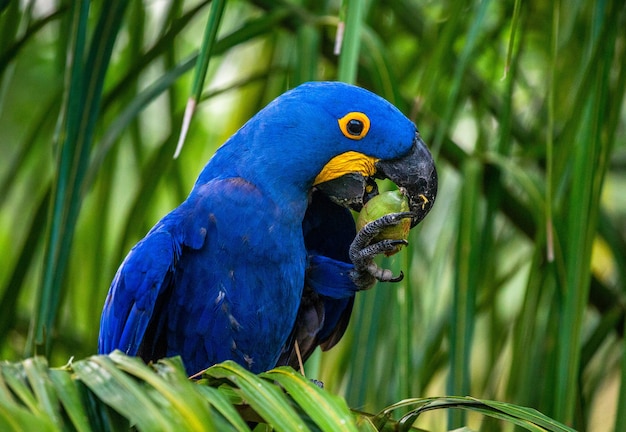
x: 355, y: 127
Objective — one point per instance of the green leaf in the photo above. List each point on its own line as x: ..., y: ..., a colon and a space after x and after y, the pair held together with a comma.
x: 328, y: 412
x: 180, y: 394
x: 36, y: 370
x: 224, y: 407
x: 70, y: 399
x: 265, y: 398
x: 527, y: 418
x: 123, y: 393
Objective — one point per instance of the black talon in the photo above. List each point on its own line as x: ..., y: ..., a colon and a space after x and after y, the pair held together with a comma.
x: 400, y: 242
x: 398, y: 278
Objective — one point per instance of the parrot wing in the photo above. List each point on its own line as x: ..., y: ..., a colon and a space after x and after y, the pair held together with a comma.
x: 142, y: 287
x: 141, y: 280
x: 202, y: 283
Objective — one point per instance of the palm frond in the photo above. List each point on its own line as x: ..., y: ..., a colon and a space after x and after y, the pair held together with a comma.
x: 116, y: 392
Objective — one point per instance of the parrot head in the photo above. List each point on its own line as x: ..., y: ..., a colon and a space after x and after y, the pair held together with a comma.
x: 337, y: 138
x: 378, y: 142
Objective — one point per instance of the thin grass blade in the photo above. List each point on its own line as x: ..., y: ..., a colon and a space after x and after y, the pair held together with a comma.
x: 351, y: 44
x: 466, y: 279
x: 206, y: 50
x: 83, y: 105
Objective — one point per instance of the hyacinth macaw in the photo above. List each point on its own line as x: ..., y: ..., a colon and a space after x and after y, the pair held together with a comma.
x: 263, y: 258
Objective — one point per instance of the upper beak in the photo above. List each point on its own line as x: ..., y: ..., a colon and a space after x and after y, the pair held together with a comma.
x: 416, y: 175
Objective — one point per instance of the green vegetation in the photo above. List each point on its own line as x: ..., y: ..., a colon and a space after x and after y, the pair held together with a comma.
x: 515, y: 283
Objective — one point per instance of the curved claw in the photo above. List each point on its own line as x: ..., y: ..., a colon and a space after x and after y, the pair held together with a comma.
x: 398, y: 278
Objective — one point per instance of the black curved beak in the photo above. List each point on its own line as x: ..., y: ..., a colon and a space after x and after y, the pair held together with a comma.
x: 416, y: 175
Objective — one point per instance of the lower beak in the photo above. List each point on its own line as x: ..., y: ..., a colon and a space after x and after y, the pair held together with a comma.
x: 351, y: 190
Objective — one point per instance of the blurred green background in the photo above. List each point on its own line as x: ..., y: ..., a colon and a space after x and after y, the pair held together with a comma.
x: 515, y: 286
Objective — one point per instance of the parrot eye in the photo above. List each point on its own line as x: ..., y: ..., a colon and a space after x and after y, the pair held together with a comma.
x: 354, y: 125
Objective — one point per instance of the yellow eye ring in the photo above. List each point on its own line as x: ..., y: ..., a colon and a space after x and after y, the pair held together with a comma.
x: 354, y: 125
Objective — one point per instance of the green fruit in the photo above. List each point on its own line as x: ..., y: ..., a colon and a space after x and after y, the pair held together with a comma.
x: 381, y: 205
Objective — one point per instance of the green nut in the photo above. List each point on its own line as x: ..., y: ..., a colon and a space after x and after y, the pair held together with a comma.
x: 381, y: 205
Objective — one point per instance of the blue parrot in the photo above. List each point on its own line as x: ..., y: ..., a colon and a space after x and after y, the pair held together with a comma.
x: 260, y: 264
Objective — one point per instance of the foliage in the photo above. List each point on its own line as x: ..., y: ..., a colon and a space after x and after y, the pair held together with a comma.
x: 116, y: 392
x: 515, y: 282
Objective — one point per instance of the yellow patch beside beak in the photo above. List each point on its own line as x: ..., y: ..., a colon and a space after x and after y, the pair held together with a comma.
x: 348, y: 162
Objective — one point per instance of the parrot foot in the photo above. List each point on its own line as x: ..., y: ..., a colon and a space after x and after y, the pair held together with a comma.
x: 362, y: 252
x: 318, y: 383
